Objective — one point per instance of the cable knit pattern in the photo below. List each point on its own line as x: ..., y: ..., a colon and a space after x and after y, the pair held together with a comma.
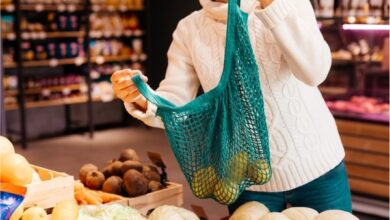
x: 293, y: 59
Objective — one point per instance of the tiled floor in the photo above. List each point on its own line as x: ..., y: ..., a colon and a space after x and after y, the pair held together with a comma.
x: 68, y: 153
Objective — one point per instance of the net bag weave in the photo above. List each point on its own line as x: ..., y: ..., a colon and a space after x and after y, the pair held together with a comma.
x: 220, y: 139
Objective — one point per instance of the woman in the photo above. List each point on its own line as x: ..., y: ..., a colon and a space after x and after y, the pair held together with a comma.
x: 293, y: 59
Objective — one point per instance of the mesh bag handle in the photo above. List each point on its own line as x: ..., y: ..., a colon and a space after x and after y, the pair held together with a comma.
x: 233, y: 11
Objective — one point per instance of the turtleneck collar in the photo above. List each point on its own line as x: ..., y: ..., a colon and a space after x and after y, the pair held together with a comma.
x: 218, y: 10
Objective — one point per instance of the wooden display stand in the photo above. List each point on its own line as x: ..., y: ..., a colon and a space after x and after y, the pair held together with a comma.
x: 172, y: 195
x: 55, y: 187
x: 367, y: 156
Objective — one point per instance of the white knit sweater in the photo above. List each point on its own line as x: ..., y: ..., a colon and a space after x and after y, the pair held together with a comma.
x: 293, y: 59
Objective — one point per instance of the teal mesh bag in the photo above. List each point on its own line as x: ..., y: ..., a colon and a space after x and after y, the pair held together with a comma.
x: 220, y: 139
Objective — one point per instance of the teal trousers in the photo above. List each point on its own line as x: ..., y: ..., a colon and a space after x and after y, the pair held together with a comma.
x: 330, y: 191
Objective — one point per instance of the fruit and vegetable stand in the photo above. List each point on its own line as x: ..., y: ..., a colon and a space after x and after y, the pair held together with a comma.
x: 121, y: 190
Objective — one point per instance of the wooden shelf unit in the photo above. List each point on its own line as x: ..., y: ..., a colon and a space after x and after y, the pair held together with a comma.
x: 70, y: 61
x: 71, y: 87
x: 47, y: 7
x: 48, y: 103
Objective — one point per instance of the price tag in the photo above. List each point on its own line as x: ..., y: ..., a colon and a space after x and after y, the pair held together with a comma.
x: 66, y: 91
x: 118, y: 33
x: 122, y: 8
x: 71, y: 8
x: 11, y: 36
x: 42, y: 35
x: 25, y: 36
x: 61, y: 8
x: 53, y: 62
x: 99, y: 34
x: 46, y: 92
x: 10, y: 7
x: 94, y: 74
x: 143, y: 57
x: 107, y: 33
x: 134, y: 57
x: 34, y: 35
x: 110, y: 8
x: 128, y: 33
x: 39, y: 7
x: 100, y: 60
x: 83, y: 88
x: 138, y: 33
x: 92, y: 34
x: 79, y: 61
x: 95, y: 8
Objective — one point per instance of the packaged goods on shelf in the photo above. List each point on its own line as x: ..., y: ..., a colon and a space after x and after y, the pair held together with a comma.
x: 109, y: 48
x: 51, y: 1
x: 351, y: 8
x: 50, y: 23
x: 129, y: 3
x: 114, y: 22
x: 7, y: 23
x: 52, y: 50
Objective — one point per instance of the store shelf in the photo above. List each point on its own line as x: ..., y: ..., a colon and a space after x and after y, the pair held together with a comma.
x: 8, y: 36
x: 358, y: 19
x: 54, y: 62
x: 71, y: 87
x: 7, y: 7
x: 77, y: 61
x: 9, y: 65
x: 45, y: 7
x: 45, y: 35
x: 64, y: 101
x: 341, y: 62
x: 116, y: 8
x: 375, y: 118
x: 119, y: 33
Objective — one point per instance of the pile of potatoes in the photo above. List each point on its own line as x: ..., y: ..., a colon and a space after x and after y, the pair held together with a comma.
x: 126, y: 176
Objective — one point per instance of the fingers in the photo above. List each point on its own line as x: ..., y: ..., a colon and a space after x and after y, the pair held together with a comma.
x: 126, y: 75
x: 124, y: 87
x: 128, y: 95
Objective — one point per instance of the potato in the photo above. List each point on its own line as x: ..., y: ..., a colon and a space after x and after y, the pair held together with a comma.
x: 84, y: 171
x: 135, y: 183
x: 128, y: 154
x: 131, y: 164
x: 154, y: 186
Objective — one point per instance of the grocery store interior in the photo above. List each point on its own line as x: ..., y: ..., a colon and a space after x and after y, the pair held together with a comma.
x: 58, y: 108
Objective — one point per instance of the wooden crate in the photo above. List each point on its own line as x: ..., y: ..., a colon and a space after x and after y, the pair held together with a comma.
x: 172, y: 195
x: 55, y: 187
x: 367, y: 156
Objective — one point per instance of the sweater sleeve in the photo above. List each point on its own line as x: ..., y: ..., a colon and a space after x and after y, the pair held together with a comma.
x: 181, y: 83
x: 294, y: 27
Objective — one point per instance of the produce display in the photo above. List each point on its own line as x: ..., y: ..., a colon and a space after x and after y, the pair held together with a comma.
x: 257, y: 211
x: 14, y: 168
x: 112, y: 211
x: 172, y: 213
x: 300, y: 213
x: 16, y: 175
x: 250, y: 210
x: 65, y: 210
x: 35, y: 213
x: 360, y: 104
x: 126, y: 176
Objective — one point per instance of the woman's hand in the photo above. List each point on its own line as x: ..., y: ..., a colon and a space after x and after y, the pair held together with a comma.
x: 126, y: 90
x: 265, y: 3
